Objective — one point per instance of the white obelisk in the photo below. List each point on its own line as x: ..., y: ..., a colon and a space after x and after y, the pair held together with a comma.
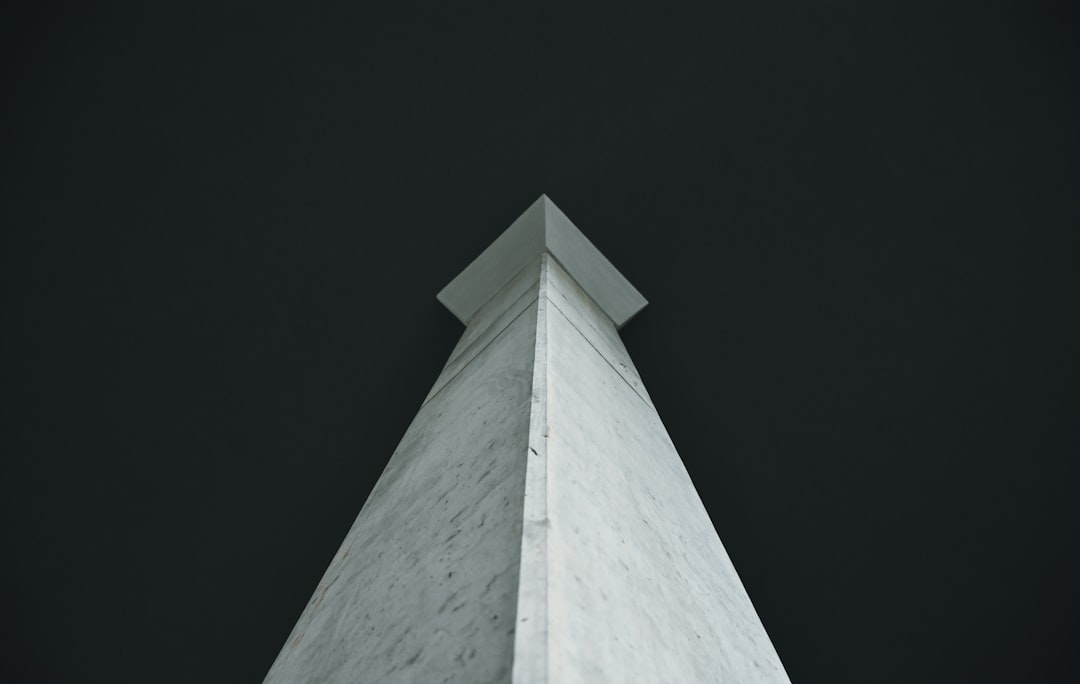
x: 535, y: 525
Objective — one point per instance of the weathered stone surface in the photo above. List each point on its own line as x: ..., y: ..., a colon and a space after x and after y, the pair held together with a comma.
x: 424, y: 587
x: 640, y: 588
x: 535, y: 524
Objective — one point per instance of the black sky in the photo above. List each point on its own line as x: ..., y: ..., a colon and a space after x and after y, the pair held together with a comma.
x: 223, y: 232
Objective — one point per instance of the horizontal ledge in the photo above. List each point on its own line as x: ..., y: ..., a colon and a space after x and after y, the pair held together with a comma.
x: 543, y: 227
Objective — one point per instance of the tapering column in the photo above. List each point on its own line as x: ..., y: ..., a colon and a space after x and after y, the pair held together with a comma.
x: 535, y: 524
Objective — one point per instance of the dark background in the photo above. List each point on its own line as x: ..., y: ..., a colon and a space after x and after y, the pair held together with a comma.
x: 223, y: 232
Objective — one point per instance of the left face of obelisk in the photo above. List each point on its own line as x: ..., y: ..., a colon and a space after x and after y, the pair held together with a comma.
x: 424, y: 587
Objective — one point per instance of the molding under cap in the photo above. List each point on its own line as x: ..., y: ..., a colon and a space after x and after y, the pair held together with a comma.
x: 542, y: 227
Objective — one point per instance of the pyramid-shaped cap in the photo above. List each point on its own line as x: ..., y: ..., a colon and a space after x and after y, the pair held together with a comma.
x: 543, y: 227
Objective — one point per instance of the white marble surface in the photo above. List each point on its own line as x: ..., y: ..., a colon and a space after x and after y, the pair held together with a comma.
x: 640, y: 588
x: 424, y: 587
x: 534, y: 525
x: 542, y: 227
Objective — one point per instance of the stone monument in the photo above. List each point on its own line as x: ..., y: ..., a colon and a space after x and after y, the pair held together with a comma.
x: 535, y: 524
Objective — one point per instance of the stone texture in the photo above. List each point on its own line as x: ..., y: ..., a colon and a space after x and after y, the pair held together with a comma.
x: 536, y: 523
x: 424, y: 587
x: 639, y: 587
x: 543, y: 227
